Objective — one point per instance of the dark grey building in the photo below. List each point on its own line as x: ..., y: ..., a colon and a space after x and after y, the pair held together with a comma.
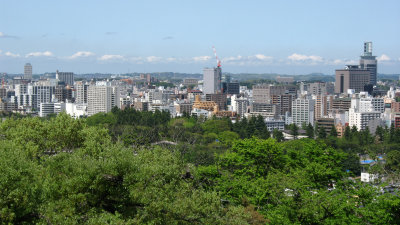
x: 369, y: 62
x: 351, y: 77
x: 231, y: 88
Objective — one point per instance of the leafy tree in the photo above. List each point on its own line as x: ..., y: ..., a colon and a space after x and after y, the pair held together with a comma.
x: 278, y: 135
x: 215, y: 126
x: 333, y: 132
x: 309, y: 131
x: 295, y: 130
x: 347, y: 133
x: 261, y: 130
x: 380, y: 133
x: 20, y: 185
x: 321, y: 133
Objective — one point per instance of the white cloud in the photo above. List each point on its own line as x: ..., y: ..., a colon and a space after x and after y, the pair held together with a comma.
x: 258, y: 59
x: 3, y: 35
x: 171, y: 59
x: 153, y: 59
x: 10, y: 54
x: 263, y: 57
x: 383, y: 57
x: 351, y: 62
x: 201, y: 58
x: 232, y: 59
x: 341, y: 62
x: 338, y: 62
x: 38, y: 54
x: 299, y: 57
x: 81, y: 54
x: 111, y: 57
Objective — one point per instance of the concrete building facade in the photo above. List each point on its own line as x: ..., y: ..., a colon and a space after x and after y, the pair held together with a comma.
x: 212, y: 80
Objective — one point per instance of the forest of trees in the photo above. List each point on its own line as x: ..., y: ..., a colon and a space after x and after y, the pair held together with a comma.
x: 131, y: 167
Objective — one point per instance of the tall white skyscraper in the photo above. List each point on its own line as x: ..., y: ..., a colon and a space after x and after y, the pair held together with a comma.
x: 303, y: 111
x: 212, y: 80
x: 81, y: 93
x: 28, y: 71
x: 102, y: 99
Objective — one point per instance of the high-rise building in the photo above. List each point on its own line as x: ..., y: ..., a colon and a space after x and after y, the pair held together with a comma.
x: 369, y: 62
x: 351, y: 77
x: 231, y: 88
x: 102, y: 99
x: 361, y: 119
x: 241, y: 106
x: 283, y: 101
x: 28, y: 71
x: 81, y: 93
x: 63, y: 93
x: 320, y: 88
x: 321, y: 107
x: 219, y: 99
x: 42, y: 94
x: 66, y: 77
x: 212, y: 80
x: 262, y: 93
x: 303, y: 111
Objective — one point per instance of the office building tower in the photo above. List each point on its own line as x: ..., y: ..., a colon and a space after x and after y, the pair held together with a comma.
x: 284, y: 102
x: 369, y: 62
x: 42, y: 94
x: 212, y: 80
x: 28, y: 71
x: 351, y: 77
x: 321, y: 107
x: 320, y: 88
x: 241, y: 105
x: 66, y: 77
x: 219, y: 99
x: 262, y: 93
x: 303, y: 111
x: 231, y: 88
x: 81, y: 93
x: 102, y: 99
x: 361, y: 119
x: 63, y: 93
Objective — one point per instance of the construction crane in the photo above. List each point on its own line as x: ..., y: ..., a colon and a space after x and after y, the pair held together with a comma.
x: 216, y: 57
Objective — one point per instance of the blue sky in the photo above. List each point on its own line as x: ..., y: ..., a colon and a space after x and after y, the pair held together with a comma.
x: 291, y: 37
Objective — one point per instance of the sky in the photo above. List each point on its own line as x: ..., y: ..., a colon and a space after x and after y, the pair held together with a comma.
x: 259, y: 36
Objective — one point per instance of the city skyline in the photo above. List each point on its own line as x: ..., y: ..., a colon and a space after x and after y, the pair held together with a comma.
x: 157, y: 36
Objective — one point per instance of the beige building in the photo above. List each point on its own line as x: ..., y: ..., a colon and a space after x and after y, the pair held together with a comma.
x: 262, y: 93
x: 102, y: 99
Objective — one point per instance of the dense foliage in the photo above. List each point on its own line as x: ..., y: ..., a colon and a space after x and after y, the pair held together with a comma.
x: 130, y: 167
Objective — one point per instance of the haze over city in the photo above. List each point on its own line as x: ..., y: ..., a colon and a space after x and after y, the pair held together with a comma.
x: 177, y: 36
